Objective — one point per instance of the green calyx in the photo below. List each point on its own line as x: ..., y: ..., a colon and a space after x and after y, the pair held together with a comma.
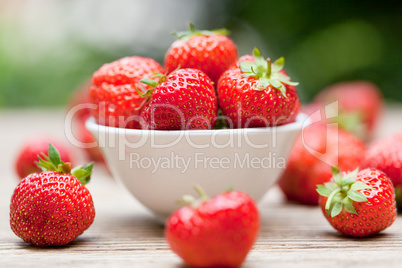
x: 152, y: 83
x: 186, y: 35
x: 189, y: 200
x: 266, y: 72
x: 53, y: 162
x: 341, y: 192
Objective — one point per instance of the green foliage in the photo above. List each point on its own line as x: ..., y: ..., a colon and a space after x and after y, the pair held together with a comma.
x: 323, y: 42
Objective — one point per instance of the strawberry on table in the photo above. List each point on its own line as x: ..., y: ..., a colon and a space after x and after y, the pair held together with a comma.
x: 53, y: 207
x: 216, y: 232
x: 184, y: 99
x: 358, y: 203
x: 386, y: 155
x: 360, y: 106
x: 258, y: 93
x: 305, y: 170
x: 209, y: 51
x: 28, y: 155
x: 114, y: 90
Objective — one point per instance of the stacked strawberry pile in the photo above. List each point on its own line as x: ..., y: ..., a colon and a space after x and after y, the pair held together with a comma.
x: 201, y: 74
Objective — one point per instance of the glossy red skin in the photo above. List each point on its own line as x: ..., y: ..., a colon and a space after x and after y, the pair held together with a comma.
x: 211, y: 54
x: 219, y: 233
x: 304, y: 171
x: 386, y: 155
x: 28, y: 155
x: 49, y: 209
x: 295, y: 112
x: 186, y: 100
x: 357, y: 96
x: 247, y: 108
x: 373, y: 216
x: 114, y: 90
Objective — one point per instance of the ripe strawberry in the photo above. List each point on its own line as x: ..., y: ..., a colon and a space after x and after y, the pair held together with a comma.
x: 25, y: 161
x: 305, y: 170
x: 258, y: 94
x: 114, y: 91
x: 360, y: 106
x: 358, y: 203
x: 53, y: 207
x: 185, y: 99
x: 386, y: 155
x: 216, y: 232
x: 209, y: 51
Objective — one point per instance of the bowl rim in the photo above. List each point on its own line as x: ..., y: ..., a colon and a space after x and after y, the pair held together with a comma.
x: 301, y: 120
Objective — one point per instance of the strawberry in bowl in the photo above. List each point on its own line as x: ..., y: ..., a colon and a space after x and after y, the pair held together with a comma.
x: 184, y: 99
x: 209, y: 51
x: 257, y: 93
x: 114, y: 90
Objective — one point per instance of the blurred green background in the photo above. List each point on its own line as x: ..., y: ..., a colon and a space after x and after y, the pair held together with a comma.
x: 48, y: 48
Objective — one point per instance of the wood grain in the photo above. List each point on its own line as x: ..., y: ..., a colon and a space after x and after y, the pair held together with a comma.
x: 125, y: 234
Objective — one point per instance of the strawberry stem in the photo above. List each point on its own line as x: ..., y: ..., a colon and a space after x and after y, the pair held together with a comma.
x: 53, y: 162
x: 201, y: 192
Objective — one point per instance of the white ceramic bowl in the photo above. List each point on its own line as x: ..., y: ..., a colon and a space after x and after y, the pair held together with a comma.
x: 159, y: 167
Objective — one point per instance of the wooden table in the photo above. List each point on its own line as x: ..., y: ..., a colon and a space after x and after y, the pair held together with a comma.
x: 125, y: 234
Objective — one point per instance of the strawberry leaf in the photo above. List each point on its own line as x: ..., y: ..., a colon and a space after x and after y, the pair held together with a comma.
x: 83, y: 174
x: 356, y: 196
x: 186, y: 35
x: 336, y: 209
x: 348, y: 205
x: 54, y: 155
x: 278, y: 65
x: 324, y: 191
x: 247, y: 67
x: 149, y: 82
x: 259, y: 60
x: 359, y: 186
x: 336, y: 175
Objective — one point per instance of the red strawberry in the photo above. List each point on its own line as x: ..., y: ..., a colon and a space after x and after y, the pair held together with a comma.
x: 209, y: 51
x: 386, y: 155
x: 216, y: 232
x: 358, y: 203
x: 114, y: 90
x: 360, y: 106
x: 305, y: 170
x: 185, y: 99
x: 258, y: 94
x: 53, y: 207
x: 28, y: 155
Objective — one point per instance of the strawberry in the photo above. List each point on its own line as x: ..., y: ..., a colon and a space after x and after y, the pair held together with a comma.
x: 185, y: 99
x: 209, y: 51
x: 114, y: 91
x: 257, y: 94
x: 360, y: 106
x: 305, y: 170
x: 216, y: 232
x: 53, y: 207
x: 28, y: 154
x: 386, y: 155
x: 358, y: 203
